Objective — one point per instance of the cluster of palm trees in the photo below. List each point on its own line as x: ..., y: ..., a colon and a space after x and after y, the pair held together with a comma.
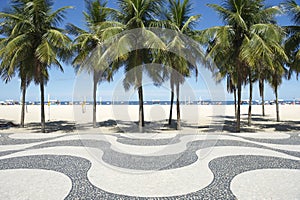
x: 249, y: 47
x: 32, y: 43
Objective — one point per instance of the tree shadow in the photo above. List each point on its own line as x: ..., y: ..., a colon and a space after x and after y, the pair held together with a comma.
x: 107, y: 123
x: 285, y: 126
x: 259, y: 124
x: 53, y: 126
x: 133, y: 127
x: 220, y: 123
x: 5, y: 124
x: 162, y: 126
x: 119, y: 126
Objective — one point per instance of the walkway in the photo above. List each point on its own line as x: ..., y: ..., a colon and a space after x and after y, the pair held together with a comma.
x: 146, y: 166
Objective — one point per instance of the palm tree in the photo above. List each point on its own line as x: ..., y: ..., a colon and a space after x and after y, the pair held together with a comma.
x: 138, y: 14
x: 86, y: 42
x: 292, y: 43
x: 275, y: 80
x: 179, y: 19
x: 245, y: 21
x: 12, y: 57
x: 258, y: 52
x: 267, y: 55
x: 47, y: 41
x: 262, y: 73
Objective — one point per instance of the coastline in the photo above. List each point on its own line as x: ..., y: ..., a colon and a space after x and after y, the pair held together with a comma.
x: 122, y: 118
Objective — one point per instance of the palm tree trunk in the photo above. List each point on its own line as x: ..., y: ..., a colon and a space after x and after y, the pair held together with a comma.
x: 277, y: 105
x: 171, y: 108
x: 95, y: 100
x: 141, y: 108
x: 238, y: 118
x: 250, y: 100
x: 263, y: 104
x: 234, y: 96
x: 138, y: 82
x: 42, y: 104
x: 262, y: 88
x: 23, y: 83
x: 172, y: 101
x: 178, y: 107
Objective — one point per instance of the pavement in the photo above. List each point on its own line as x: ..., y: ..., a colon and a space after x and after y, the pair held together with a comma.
x: 150, y: 166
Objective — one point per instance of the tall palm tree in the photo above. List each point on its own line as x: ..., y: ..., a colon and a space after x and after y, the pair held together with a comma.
x: 12, y: 58
x: 138, y: 14
x: 263, y: 73
x: 86, y: 42
x: 245, y: 21
x: 47, y: 41
x: 258, y: 52
x: 292, y: 44
x: 179, y: 19
x: 267, y: 56
x: 275, y: 81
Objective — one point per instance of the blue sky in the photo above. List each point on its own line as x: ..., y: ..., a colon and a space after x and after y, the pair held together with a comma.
x: 63, y: 86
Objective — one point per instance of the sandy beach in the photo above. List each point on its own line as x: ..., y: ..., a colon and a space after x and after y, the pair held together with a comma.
x: 116, y: 118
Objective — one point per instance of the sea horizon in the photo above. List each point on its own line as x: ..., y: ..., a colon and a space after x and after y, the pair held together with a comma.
x: 150, y: 102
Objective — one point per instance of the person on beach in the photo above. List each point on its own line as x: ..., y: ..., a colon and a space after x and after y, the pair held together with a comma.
x: 83, y: 107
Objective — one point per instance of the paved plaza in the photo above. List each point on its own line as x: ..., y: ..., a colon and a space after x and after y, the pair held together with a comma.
x: 150, y: 166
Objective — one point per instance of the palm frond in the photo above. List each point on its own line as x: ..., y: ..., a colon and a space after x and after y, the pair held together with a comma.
x: 45, y: 53
x: 58, y: 39
x: 58, y: 16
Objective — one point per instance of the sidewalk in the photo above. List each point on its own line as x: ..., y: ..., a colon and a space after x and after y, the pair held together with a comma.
x: 145, y: 166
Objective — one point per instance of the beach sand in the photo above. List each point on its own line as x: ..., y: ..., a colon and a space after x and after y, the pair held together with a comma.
x: 123, y: 118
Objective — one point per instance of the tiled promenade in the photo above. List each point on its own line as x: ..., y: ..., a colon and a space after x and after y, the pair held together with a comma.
x: 150, y: 166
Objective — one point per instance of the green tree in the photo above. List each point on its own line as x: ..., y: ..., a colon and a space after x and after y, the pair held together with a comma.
x: 137, y: 14
x: 13, y: 59
x: 246, y: 23
x: 275, y: 81
x: 265, y: 53
x: 86, y: 43
x: 179, y: 19
x: 292, y: 44
x: 47, y: 41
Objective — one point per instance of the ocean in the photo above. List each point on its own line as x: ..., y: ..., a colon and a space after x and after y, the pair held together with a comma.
x: 156, y: 102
